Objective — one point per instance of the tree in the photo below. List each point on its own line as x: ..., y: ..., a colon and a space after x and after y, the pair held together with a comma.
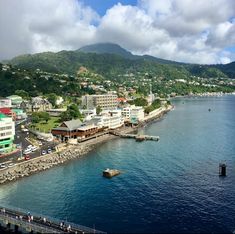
x: 98, y: 110
x: 71, y: 113
x: 23, y: 94
x: 52, y: 98
x: 44, y: 116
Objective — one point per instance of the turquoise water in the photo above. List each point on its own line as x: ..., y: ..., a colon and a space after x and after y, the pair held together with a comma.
x: 166, y: 186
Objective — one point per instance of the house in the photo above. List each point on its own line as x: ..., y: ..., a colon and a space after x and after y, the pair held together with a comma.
x: 74, y: 129
x: 40, y: 104
x: 20, y: 114
x: 15, y: 100
x: 7, y: 133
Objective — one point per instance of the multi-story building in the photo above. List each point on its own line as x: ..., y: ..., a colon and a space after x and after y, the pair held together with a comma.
x: 133, y: 113
x: 105, y: 102
x: 5, y: 102
x: 7, y: 133
x: 111, y: 119
x: 137, y: 114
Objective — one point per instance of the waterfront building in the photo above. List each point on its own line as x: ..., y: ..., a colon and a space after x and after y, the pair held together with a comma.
x: 105, y: 101
x: 88, y: 114
x: 5, y: 102
x: 7, y: 133
x: 133, y: 113
x: 137, y: 114
x: 110, y: 119
x: 74, y: 129
x: 15, y: 100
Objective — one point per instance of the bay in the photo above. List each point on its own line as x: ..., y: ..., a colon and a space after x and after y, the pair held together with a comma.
x: 166, y: 186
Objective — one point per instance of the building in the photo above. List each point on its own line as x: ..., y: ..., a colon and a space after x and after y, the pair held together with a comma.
x: 40, y: 104
x: 56, y: 112
x: 133, y: 114
x: 88, y: 114
x: 106, y: 101
x: 110, y: 119
x: 15, y: 100
x: 20, y: 114
x: 5, y: 102
x: 74, y: 129
x: 137, y: 114
x: 7, y: 133
x: 8, y: 112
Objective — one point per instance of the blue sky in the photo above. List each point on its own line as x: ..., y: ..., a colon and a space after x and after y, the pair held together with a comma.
x: 100, y: 6
x: 191, y: 31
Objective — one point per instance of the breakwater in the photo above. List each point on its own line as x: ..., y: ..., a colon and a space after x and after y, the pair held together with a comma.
x: 42, y: 163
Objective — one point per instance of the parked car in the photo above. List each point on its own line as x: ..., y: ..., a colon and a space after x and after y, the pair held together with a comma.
x: 27, y: 151
x: 34, y: 148
x: 11, y: 164
x: 2, y: 165
x: 49, y: 150
x: 44, y: 152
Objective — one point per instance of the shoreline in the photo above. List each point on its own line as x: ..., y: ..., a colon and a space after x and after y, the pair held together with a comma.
x: 69, y: 152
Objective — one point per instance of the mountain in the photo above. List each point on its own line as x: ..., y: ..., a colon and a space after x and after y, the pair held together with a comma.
x: 111, y: 60
x: 107, y: 48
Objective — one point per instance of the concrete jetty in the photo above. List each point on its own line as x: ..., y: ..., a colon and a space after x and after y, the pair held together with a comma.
x: 138, y: 137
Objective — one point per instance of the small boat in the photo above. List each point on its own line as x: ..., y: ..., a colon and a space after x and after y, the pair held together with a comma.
x: 209, y: 109
x: 109, y: 173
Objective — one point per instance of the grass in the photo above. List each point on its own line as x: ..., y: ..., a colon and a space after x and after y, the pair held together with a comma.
x: 46, y: 127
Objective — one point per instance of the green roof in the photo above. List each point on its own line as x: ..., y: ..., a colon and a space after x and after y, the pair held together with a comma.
x: 2, y: 116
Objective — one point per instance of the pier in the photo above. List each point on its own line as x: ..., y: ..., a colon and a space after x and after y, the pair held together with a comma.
x: 17, y: 220
x: 137, y: 137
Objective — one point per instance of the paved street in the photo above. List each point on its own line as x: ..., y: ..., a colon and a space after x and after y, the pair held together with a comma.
x: 22, y: 139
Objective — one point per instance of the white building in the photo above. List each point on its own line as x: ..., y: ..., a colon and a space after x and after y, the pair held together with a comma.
x: 88, y: 114
x: 7, y: 133
x: 5, y: 103
x: 133, y: 113
x: 111, y: 119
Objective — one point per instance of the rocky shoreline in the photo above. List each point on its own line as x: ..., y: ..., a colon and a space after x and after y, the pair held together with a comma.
x: 67, y: 153
x: 42, y: 163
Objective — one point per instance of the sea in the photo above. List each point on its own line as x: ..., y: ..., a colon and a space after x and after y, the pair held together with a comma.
x: 169, y: 186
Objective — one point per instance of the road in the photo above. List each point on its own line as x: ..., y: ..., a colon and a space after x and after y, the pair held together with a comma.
x: 22, y: 140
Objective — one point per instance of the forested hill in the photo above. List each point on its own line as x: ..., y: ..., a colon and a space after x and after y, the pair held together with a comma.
x: 110, y: 60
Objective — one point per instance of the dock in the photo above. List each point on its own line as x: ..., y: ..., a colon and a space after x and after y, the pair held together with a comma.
x: 137, y: 137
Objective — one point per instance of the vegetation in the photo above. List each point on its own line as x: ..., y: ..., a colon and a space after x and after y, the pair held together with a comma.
x: 139, y: 102
x: 40, y: 117
x: 155, y: 105
x: 43, y: 126
x: 71, y: 113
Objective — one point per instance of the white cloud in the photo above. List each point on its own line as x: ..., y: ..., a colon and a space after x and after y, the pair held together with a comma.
x: 182, y: 30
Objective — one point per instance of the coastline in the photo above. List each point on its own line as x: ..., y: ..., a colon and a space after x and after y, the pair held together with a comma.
x: 69, y: 152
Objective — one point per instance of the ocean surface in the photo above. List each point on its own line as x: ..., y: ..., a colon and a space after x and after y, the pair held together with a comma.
x: 170, y: 186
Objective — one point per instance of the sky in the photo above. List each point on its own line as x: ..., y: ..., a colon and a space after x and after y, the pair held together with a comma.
x: 189, y: 31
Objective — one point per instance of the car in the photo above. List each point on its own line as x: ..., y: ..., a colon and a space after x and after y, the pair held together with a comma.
x: 11, y: 164
x: 27, y: 151
x: 44, y: 152
x: 34, y: 148
x: 24, y: 130
x: 49, y: 151
x: 29, y: 146
x: 26, y: 157
x: 2, y: 165
x: 40, y: 143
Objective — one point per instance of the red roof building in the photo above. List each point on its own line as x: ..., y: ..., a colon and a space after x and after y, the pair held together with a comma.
x: 8, y: 112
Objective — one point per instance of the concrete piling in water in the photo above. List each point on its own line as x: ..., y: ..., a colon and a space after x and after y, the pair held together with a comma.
x: 222, y: 169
